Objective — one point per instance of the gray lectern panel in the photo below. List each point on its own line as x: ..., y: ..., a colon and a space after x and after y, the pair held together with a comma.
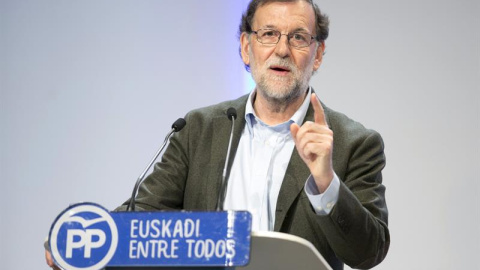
x: 170, y: 268
x: 280, y: 251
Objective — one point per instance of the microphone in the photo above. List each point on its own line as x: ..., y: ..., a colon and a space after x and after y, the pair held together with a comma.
x: 176, y: 126
x: 232, y: 115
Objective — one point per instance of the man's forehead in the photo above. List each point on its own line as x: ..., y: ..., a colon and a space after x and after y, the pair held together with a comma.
x: 298, y: 15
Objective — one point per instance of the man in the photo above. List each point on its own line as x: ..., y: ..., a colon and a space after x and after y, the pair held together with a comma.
x: 298, y: 166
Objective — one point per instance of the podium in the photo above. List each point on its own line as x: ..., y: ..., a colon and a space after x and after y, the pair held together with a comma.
x: 281, y: 251
x: 269, y: 250
x: 87, y: 236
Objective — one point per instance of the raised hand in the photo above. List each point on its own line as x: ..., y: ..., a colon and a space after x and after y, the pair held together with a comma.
x: 314, y: 143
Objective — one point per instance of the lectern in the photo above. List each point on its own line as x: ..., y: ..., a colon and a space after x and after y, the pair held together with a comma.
x: 281, y: 251
x: 270, y: 250
x: 87, y: 236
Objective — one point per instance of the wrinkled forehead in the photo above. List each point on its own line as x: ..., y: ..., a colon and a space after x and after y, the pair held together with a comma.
x: 285, y: 16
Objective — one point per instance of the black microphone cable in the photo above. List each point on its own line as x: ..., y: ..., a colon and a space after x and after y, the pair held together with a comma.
x: 176, y: 126
x: 232, y: 115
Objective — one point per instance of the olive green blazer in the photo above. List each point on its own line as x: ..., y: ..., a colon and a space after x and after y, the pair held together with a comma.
x: 355, y: 232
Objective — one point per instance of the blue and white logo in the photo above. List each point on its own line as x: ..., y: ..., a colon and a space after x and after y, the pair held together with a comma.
x: 84, y: 236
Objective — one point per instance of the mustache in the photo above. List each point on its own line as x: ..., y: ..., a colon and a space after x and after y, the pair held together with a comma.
x: 281, y: 62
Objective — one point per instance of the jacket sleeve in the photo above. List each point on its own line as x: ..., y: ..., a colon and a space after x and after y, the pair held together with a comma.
x: 356, y: 228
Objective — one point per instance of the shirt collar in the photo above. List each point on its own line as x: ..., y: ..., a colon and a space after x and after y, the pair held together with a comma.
x: 298, y: 117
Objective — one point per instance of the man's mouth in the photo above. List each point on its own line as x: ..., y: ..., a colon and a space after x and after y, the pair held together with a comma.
x: 280, y: 69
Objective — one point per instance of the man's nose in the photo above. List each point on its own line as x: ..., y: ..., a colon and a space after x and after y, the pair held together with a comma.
x: 282, y: 49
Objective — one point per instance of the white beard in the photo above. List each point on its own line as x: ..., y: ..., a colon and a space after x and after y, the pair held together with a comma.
x: 281, y: 90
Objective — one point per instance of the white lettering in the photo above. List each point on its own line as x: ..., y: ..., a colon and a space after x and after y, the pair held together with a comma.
x: 144, y: 230
x: 85, y: 240
x: 153, y: 249
x: 158, y: 228
x: 210, y: 248
x: 142, y: 249
x: 199, y: 248
x: 133, y: 228
x: 189, y: 228
x: 72, y: 244
x: 230, y: 248
x: 190, y: 242
x: 174, y: 249
x: 178, y: 229
x: 152, y: 243
x: 163, y: 249
x: 91, y: 244
x: 220, y: 249
x: 132, y: 248
x: 155, y: 230
x: 198, y: 228
x: 166, y: 228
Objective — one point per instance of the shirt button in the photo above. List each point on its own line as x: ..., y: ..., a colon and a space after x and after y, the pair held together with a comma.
x: 330, y: 205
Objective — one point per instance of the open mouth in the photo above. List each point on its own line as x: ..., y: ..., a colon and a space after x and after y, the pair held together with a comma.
x: 280, y: 69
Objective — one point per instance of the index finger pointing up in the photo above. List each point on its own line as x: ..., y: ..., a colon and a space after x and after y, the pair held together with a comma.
x: 318, y: 110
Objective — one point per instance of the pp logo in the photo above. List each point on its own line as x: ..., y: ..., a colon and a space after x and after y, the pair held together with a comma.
x: 84, y: 236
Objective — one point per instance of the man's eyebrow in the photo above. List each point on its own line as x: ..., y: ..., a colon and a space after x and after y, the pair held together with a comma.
x: 300, y: 29
x: 269, y: 26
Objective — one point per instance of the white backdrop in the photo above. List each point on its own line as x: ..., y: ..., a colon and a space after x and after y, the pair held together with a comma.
x: 90, y: 88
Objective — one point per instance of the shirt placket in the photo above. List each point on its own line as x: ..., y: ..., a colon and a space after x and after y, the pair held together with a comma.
x: 261, y: 166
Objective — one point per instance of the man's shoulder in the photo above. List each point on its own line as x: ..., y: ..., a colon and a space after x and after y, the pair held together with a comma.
x: 346, y: 127
x: 220, y: 109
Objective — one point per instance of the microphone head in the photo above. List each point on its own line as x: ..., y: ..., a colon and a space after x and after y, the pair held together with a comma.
x: 231, y: 112
x: 179, y: 124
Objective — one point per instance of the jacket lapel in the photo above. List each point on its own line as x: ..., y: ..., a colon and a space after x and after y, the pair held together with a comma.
x: 294, y: 181
x: 220, y: 138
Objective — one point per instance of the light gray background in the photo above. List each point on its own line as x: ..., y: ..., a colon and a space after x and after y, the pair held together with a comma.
x: 90, y: 88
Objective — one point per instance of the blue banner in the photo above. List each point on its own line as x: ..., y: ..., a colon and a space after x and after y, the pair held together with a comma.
x: 87, y: 236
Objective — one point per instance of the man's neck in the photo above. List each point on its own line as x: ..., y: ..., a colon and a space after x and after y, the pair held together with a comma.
x: 273, y: 112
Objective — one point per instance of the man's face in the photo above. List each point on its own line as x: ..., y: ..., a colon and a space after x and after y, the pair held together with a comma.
x: 282, y: 73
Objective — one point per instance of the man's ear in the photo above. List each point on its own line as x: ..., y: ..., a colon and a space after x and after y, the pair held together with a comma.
x: 319, y: 55
x: 244, y: 48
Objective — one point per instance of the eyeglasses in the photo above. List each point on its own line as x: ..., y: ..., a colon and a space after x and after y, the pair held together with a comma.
x: 295, y: 39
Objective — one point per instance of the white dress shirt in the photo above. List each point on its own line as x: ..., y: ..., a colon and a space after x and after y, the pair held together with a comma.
x: 259, y: 167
